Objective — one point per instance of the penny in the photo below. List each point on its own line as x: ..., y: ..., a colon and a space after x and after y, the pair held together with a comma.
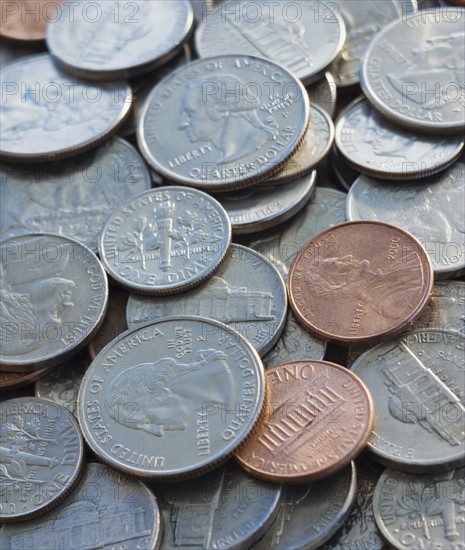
x: 372, y: 145
x: 72, y: 197
x: 302, y: 37
x: 41, y: 454
x: 104, y: 41
x: 360, y: 282
x: 420, y: 406
x: 323, y: 93
x: 225, y: 508
x: 420, y: 511
x: 13, y: 380
x: 419, y: 84
x: 173, y: 399
x: 165, y: 240
x: 106, y: 510
x: 247, y: 293
x: 344, y: 173
x: 317, y: 419
x: 222, y: 123
x: 47, y: 115
x: 315, y: 146
x: 431, y: 210
x: 258, y: 208
x: 53, y: 299
x: 27, y: 20
x: 310, y: 513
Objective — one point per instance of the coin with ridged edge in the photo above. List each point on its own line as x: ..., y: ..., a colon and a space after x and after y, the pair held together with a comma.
x: 172, y: 399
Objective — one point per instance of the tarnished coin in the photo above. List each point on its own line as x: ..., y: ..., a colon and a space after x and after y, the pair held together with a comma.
x: 324, y: 94
x: 373, y: 145
x: 173, y: 399
x: 47, y: 115
x: 165, y: 240
x: 41, y: 454
x: 53, y: 297
x: 247, y: 293
x: 107, y: 510
x: 26, y: 20
x: 301, y: 36
x: 413, y: 69
x: 344, y: 173
x: 112, y: 40
x: 315, y: 146
x: 225, y: 509
x: 360, y: 282
x: 309, y: 514
x: 318, y: 417
x: 258, y: 208
x: 224, y: 122
x: 63, y: 383
x: 74, y: 197
x: 432, y: 210
x: 420, y: 406
x: 281, y: 245
x: 421, y: 511
x: 13, y: 380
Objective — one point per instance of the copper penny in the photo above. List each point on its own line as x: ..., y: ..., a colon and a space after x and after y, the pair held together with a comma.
x: 360, y: 282
x: 318, y: 418
x: 13, y: 380
x: 27, y: 19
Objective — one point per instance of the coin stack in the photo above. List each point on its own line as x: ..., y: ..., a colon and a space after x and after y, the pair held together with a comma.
x: 244, y: 322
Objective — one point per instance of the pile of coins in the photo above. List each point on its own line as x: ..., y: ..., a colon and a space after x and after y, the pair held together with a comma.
x: 245, y: 323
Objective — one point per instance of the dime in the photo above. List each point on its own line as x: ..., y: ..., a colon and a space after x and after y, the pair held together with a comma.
x: 108, y: 41
x: 344, y: 173
x: 315, y: 146
x: 53, y: 299
x: 225, y: 508
x: 323, y: 93
x: 173, y: 399
x: 421, y: 511
x: 247, y: 293
x: 165, y: 241
x: 360, y: 282
x: 310, y: 513
x: 26, y: 20
x: 303, y: 37
x: 373, y: 145
x: 107, y: 510
x: 46, y: 115
x: 13, y: 380
x: 41, y: 454
x: 258, y: 208
x: 420, y: 405
x: 431, y: 210
x: 419, y: 84
x: 74, y: 197
x: 223, y: 122
x: 317, y: 419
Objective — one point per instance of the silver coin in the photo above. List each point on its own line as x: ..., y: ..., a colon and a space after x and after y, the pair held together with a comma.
x: 421, y: 511
x: 47, y: 115
x: 54, y: 294
x: 225, y: 508
x: 363, y: 20
x: 281, y: 245
x: 72, y: 198
x: 315, y: 146
x: 295, y: 344
x: 165, y: 241
x: 109, y: 41
x: 108, y: 510
x: 311, y: 513
x: 344, y: 173
x: 247, y: 293
x: 430, y: 210
x: 302, y: 36
x: 172, y: 399
x: 63, y: 383
x: 413, y: 69
x: 378, y: 148
x: 323, y: 93
x: 41, y: 455
x: 224, y: 122
x: 258, y: 208
x: 420, y: 405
